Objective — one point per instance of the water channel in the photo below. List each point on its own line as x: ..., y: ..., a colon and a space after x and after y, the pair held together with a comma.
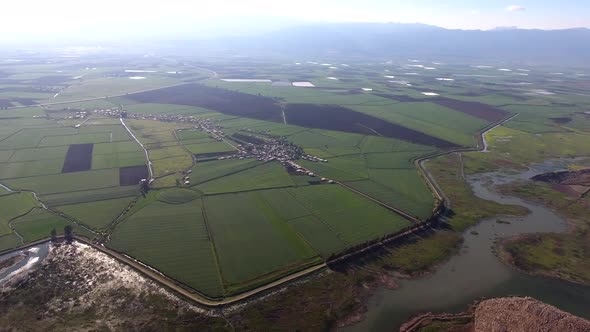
x: 476, y: 272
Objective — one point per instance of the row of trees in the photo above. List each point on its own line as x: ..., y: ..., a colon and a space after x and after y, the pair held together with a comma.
x: 68, y: 234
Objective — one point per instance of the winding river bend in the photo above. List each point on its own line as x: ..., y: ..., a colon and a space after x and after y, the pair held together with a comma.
x: 476, y: 272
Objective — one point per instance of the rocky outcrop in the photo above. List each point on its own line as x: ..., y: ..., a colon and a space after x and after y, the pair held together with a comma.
x: 525, y: 314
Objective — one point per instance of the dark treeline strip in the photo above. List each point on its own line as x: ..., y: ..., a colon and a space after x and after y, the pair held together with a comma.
x: 131, y: 175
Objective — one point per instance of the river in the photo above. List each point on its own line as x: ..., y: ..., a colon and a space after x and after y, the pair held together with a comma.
x: 476, y: 272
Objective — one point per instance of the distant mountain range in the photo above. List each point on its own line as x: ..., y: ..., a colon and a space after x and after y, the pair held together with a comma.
x: 392, y: 40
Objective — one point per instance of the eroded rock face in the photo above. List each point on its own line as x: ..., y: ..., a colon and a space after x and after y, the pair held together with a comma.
x: 525, y: 314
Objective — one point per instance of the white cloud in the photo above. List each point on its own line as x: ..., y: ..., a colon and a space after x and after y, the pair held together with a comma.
x: 515, y: 8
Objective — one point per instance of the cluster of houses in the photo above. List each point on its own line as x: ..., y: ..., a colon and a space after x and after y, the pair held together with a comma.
x: 261, y: 146
x: 293, y: 167
x: 186, y: 178
x: 79, y: 115
x: 269, y: 149
x: 261, y: 132
x: 114, y: 112
x: 203, y: 124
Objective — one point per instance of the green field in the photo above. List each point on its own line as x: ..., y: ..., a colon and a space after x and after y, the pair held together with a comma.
x: 243, y: 234
x: 91, y: 195
x: 353, y: 218
x: 269, y: 175
x: 173, y: 238
x: 99, y: 214
x: 67, y: 182
x: 430, y: 118
x: 30, y: 168
x: 222, y: 226
x: 38, y: 223
x: 209, y: 147
x: 9, y: 241
x: 178, y: 195
x: 14, y: 205
x: 210, y: 170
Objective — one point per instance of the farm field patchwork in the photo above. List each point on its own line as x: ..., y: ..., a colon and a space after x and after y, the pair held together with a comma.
x: 220, y: 221
x: 166, y: 151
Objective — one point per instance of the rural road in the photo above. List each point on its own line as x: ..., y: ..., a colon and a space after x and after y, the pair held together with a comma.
x: 22, y: 241
x: 147, y: 155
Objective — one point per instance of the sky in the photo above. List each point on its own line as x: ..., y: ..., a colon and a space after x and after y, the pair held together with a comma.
x: 55, y: 18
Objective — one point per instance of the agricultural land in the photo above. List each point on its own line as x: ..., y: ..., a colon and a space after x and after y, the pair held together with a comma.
x: 228, y: 176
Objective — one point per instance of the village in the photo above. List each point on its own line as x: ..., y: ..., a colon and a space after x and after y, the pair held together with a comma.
x: 260, y: 145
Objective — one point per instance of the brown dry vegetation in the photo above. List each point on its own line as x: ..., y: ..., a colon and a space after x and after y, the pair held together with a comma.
x: 525, y: 314
x: 514, y: 314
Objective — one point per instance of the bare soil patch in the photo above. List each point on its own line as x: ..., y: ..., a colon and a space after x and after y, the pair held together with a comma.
x: 561, y: 120
x: 221, y: 100
x: 479, y: 110
x: 307, y: 115
x: 132, y: 175
x: 78, y: 158
x: 476, y: 109
x: 342, y: 119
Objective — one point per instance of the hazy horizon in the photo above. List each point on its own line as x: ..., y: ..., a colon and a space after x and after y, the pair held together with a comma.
x: 108, y: 20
